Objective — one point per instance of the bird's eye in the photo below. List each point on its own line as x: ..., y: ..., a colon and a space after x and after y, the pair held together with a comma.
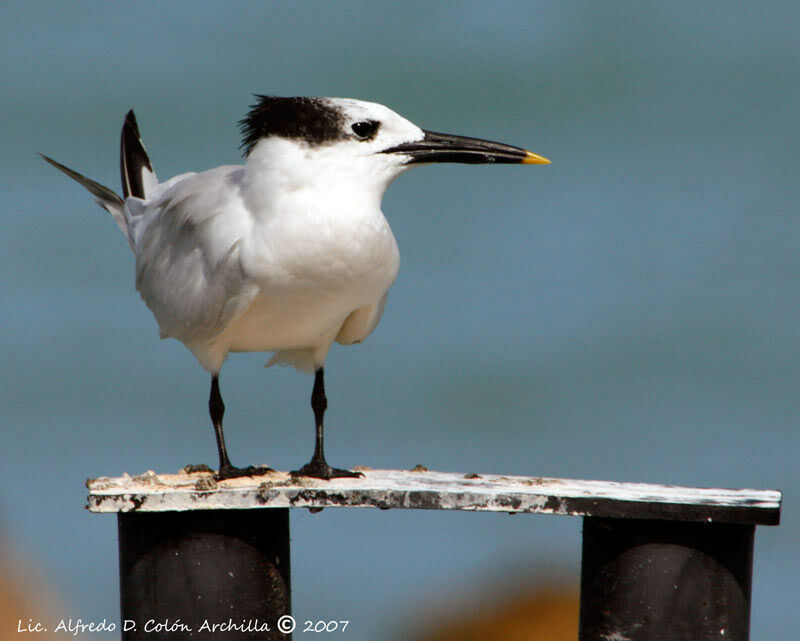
x: 366, y: 129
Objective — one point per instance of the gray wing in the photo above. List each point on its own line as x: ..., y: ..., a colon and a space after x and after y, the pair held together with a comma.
x: 187, y: 256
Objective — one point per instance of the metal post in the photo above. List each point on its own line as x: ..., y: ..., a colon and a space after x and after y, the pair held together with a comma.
x: 660, y: 562
x: 665, y: 580
x: 183, y: 573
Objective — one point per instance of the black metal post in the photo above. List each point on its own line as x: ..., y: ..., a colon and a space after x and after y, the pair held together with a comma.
x: 665, y: 580
x: 216, y: 575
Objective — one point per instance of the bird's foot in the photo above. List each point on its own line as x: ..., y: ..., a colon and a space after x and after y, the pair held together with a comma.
x: 231, y: 472
x: 319, y: 469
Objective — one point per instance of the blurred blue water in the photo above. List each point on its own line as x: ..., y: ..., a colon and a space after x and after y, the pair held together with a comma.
x: 628, y: 313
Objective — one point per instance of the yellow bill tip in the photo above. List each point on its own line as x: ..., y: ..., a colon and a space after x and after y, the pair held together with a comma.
x: 534, y: 159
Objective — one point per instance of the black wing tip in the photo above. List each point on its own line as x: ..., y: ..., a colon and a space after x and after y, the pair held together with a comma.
x: 133, y: 158
x: 130, y: 119
x: 130, y: 127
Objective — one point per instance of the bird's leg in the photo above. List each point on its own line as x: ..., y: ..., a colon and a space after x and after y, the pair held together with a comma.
x: 216, y: 409
x: 317, y: 466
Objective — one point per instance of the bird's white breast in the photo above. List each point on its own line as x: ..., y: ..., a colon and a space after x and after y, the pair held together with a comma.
x: 313, y: 265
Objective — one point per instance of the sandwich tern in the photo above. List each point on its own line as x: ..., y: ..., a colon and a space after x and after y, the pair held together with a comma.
x: 286, y: 253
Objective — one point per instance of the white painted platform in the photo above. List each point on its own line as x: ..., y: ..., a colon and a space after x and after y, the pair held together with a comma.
x: 395, y: 489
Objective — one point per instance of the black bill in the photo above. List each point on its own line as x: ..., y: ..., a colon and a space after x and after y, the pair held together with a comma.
x: 436, y: 147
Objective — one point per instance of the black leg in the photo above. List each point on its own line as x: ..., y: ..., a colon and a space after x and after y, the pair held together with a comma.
x: 317, y: 466
x: 216, y: 409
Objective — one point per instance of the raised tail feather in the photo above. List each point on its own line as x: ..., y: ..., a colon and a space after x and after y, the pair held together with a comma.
x: 103, y: 196
x: 106, y: 198
x: 138, y: 178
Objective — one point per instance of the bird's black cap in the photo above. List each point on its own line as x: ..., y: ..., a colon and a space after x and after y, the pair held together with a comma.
x: 313, y: 120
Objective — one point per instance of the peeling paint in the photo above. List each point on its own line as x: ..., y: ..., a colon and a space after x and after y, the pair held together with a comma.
x: 206, y: 485
x: 430, y: 490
